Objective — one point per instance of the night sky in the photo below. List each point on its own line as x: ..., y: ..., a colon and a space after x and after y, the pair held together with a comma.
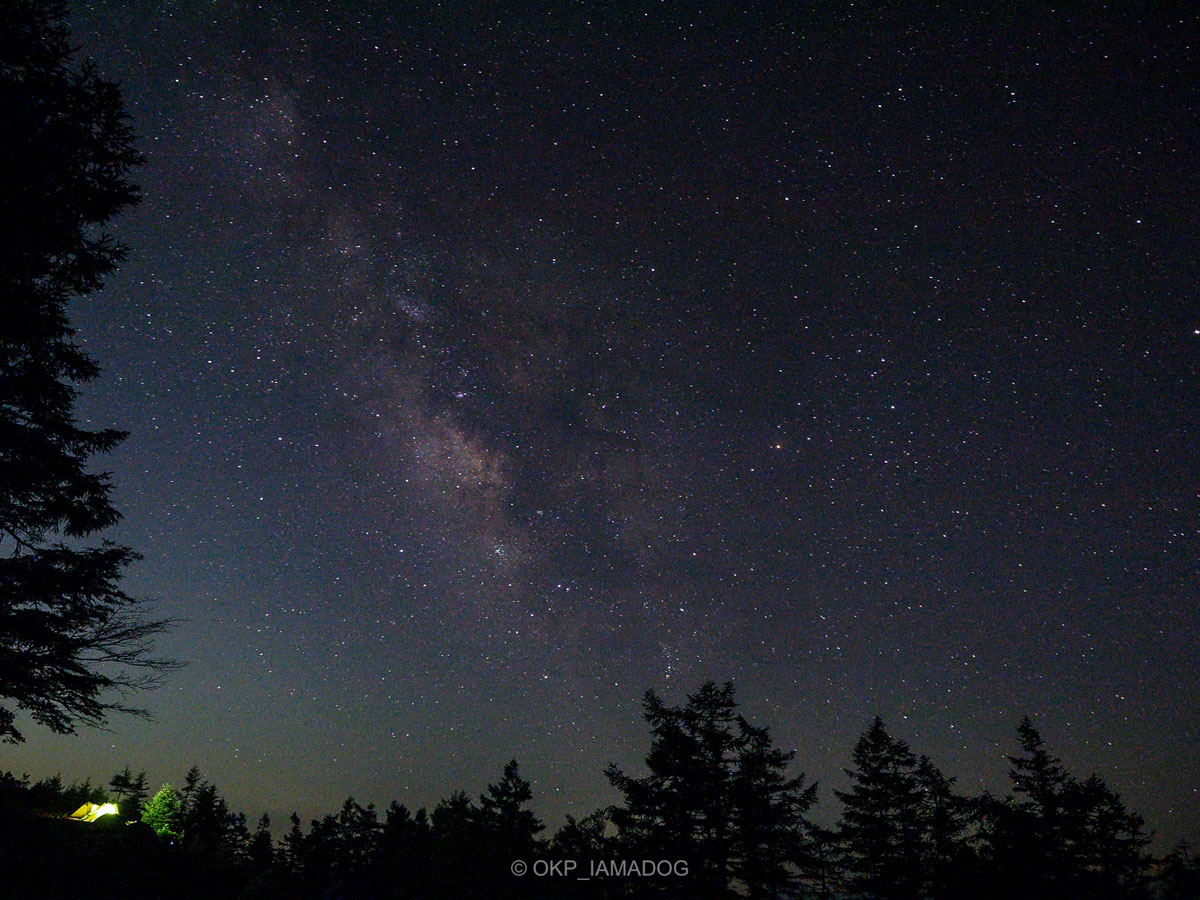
x: 488, y: 365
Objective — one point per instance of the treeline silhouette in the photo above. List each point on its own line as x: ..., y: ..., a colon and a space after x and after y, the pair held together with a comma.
x: 717, y: 814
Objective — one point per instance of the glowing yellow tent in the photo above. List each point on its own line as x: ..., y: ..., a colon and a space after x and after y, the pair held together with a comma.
x: 90, y: 812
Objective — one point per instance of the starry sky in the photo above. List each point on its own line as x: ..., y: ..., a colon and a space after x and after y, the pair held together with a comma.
x: 486, y: 365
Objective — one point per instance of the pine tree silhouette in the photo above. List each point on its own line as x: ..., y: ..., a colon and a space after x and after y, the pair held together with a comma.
x: 71, y: 640
x: 718, y: 797
x: 1061, y: 838
x: 261, y: 849
x: 1179, y: 874
x: 509, y: 831
x: 772, y: 840
x: 882, y: 827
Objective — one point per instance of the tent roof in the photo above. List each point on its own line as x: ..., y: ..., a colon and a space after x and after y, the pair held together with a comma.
x: 90, y: 812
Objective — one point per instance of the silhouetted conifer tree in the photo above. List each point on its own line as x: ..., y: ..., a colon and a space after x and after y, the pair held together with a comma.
x: 138, y: 792
x: 716, y: 796
x: 77, y: 793
x: 261, y: 849
x: 293, y: 846
x: 15, y: 799
x: 1028, y: 833
x: 458, y: 838
x: 405, y: 860
x: 121, y: 783
x: 1060, y: 838
x: 129, y: 792
x: 69, y: 636
x: 882, y: 827
x: 502, y: 809
x: 682, y: 808
x: 339, y: 850
x: 772, y: 843
x: 1179, y: 875
x: 823, y: 876
x: 358, y: 833
x: 949, y: 864
x: 191, y: 783
x: 208, y: 825
x: 509, y: 831
x: 47, y: 797
x: 585, y: 841
x: 1107, y: 842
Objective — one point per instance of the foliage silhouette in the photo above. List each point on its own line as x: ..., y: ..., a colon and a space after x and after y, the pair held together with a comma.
x: 714, y: 784
x: 129, y: 792
x: 717, y: 797
x: 881, y: 828
x: 72, y: 643
x: 1058, y: 837
x: 1179, y: 874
